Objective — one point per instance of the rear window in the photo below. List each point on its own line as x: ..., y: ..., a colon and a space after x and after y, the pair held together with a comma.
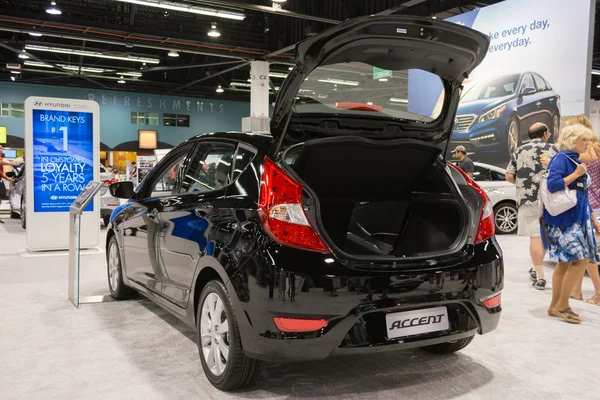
x: 362, y: 89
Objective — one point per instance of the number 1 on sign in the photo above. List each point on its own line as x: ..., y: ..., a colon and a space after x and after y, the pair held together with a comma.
x: 65, y: 132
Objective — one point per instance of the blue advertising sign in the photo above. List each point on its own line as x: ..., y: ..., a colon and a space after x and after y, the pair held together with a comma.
x: 63, y: 158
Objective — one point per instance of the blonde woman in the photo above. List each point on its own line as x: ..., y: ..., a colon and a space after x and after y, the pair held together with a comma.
x: 590, y: 158
x: 569, y: 237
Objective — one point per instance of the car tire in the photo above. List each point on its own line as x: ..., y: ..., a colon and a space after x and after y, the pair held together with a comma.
x: 106, y: 220
x: 23, y: 215
x: 118, y: 289
x: 449, y: 347
x: 512, y: 135
x: 506, y: 218
x: 555, y: 129
x: 238, y: 370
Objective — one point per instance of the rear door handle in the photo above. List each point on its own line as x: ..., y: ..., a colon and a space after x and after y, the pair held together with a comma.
x: 153, y: 214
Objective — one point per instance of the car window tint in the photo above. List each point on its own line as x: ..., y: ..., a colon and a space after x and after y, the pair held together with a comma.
x: 497, y: 176
x: 540, y: 83
x: 243, y: 158
x: 165, y: 183
x: 209, y: 169
x: 527, y: 82
x: 481, y: 174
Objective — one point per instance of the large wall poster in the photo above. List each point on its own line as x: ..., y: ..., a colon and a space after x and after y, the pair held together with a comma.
x: 537, y: 69
x: 63, y: 157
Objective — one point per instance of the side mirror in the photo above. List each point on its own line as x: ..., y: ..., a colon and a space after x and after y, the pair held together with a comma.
x: 11, y: 174
x: 527, y: 91
x: 121, y: 190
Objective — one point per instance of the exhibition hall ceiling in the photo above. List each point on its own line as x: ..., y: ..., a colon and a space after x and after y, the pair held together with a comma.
x: 173, y: 47
x: 180, y: 47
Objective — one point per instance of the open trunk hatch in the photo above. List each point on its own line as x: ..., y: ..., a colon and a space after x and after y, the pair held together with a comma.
x: 379, y: 77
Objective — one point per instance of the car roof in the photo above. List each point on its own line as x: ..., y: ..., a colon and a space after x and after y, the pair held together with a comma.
x: 492, y: 167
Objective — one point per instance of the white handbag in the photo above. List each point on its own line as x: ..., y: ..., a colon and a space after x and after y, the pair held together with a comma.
x: 558, y: 202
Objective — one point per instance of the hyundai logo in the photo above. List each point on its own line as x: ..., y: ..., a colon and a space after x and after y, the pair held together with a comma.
x: 53, y: 197
x: 37, y: 103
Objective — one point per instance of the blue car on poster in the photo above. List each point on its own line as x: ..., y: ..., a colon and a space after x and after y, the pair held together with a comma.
x: 494, y: 115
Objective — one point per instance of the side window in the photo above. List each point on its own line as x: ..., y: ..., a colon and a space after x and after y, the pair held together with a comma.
x: 527, y: 82
x: 165, y: 184
x: 541, y: 85
x: 481, y: 174
x: 243, y: 158
x: 497, y: 176
x: 165, y: 181
x: 210, y: 168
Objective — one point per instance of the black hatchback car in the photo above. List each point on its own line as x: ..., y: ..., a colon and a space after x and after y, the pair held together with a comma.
x: 343, y: 231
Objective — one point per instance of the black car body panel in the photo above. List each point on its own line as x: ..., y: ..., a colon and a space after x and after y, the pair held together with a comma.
x: 224, y: 239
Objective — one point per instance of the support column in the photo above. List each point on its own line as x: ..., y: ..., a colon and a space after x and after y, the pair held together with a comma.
x: 258, y: 121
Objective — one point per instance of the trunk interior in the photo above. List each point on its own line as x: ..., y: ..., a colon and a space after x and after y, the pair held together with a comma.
x: 388, y: 198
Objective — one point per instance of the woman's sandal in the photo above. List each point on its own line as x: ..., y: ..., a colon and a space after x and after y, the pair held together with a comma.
x: 592, y: 302
x: 551, y: 314
x: 567, y: 315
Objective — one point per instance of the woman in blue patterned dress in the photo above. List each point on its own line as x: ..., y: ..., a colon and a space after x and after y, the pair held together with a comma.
x: 569, y: 237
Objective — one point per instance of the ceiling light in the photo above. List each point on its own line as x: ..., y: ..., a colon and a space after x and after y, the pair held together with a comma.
x: 36, y: 34
x: 220, y: 89
x: 383, y: 80
x: 595, y: 72
x: 82, y: 69
x: 213, y: 31
x: 339, y: 82
x: 37, y: 64
x: 23, y: 56
x: 132, y: 74
x: 397, y: 100
x: 88, y: 53
x: 12, y: 78
x: 173, y: 53
x: 167, y: 5
x: 121, y: 81
x: 16, y: 72
x: 53, y: 9
x: 598, y: 86
x: 279, y: 1
x: 278, y: 75
x: 240, y: 84
x: 291, y: 68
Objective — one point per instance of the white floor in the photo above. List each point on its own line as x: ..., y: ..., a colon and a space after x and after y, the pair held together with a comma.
x: 134, y: 350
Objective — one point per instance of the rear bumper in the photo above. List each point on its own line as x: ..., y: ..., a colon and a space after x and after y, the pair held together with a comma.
x: 356, y: 307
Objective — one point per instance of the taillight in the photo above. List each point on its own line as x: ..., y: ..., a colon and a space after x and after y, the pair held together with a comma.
x: 281, y: 211
x: 487, y: 225
x: 290, y: 325
x: 493, y: 302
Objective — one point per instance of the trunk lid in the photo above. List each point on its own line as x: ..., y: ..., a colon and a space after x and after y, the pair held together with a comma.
x: 381, y: 77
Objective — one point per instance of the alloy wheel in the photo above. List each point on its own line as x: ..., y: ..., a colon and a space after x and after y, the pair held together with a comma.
x: 113, y: 267
x: 513, y: 136
x: 555, y: 128
x: 214, y: 334
x: 506, y: 219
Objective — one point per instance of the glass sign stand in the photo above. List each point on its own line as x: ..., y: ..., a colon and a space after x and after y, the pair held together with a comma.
x: 76, y: 209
